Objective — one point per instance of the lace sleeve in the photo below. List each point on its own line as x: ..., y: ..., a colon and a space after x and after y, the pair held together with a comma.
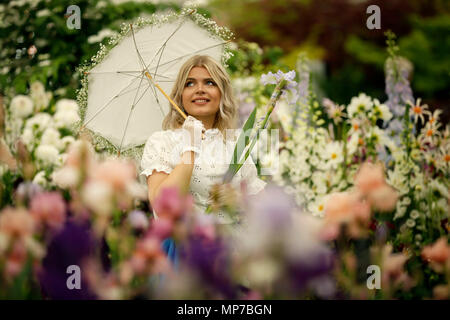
x: 157, y: 154
x: 250, y: 176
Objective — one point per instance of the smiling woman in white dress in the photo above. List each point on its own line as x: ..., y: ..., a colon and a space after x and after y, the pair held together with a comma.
x: 197, y: 156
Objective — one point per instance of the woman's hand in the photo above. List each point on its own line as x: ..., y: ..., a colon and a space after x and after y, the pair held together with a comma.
x: 193, y: 131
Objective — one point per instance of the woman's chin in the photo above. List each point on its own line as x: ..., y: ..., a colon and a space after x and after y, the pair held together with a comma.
x: 202, y: 113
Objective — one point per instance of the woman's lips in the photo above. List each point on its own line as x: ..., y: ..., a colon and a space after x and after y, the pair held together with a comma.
x: 200, y: 102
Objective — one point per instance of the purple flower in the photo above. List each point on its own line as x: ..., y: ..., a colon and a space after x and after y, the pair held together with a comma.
x: 274, y: 78
x: 71, y: 246
x: 273, y: 207
x: 398, y: 90
x: 210, y: 260
x: 317, y: 266
x: 26, y: 191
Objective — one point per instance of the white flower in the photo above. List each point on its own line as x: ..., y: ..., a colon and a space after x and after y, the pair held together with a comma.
x: 319, y: 180
x: 43, y: 13
x: 27, y: 138
x: 414, y: 214
x: 284, y: 113
x: 40, y: 179
x: 48, y: 154
x: 352, y: 145
x: 436, y: 185
x: 98, y: 197
x: 442, y: 204
x: 359, y: 105
x: 66, y: 142
x: 65, y: 119
x: 41, y: 100
x: 317, y: 207
x: 400, y: 211
x: 21, y: 106
x: 333, y: 154
x: 66, y: 177
x: 66, y: 105
x: 381, y: 111
x: 37, y: 88
x: 379, y: 136
x: 51, y: 137
x: 101, y: 35
x: 40, y: 121
x: 410, y: 223
x: 245, y: 83
x: 136, y: 190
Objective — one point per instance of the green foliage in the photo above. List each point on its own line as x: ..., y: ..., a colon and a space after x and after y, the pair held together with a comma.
x: 60, y: 50
x: 427, y: 46
x: 249, y: 59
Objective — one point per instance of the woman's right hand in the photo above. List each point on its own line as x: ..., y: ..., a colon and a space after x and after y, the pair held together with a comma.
x: 193, y: 131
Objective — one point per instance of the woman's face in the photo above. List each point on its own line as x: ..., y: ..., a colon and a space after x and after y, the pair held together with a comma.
x: 201, y: 95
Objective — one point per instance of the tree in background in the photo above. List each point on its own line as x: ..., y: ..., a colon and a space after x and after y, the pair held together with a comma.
x: 37, y: 44
x: 335, y: 32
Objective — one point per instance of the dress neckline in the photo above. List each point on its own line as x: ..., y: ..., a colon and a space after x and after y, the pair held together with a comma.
x: 212, y: 132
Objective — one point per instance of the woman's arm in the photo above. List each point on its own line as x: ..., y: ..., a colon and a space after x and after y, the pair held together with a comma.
x: 179, y: 177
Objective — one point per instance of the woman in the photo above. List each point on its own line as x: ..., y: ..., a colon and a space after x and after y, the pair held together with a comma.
x: 197, y: 156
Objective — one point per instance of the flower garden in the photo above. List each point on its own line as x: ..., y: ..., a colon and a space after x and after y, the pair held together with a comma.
x: 358, y: 207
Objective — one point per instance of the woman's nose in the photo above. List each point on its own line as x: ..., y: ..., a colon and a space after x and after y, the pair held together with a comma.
x: 200, y: 88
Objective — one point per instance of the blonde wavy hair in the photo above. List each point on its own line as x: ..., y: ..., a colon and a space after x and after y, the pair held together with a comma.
x: 226, y: 116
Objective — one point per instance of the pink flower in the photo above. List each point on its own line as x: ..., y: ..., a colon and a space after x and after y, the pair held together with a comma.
x: 161, y: 228
x: 346, y: 208
x: 384, y: 198
x: 117, y: 173
x: 49, y: 208
x: 393, y: 263
x: 81, y: 154
x: 170, y: 204
x: 369, y: 177
x: 205, y: 228
x: 16, y: 222
x: 15, y: 260
x: 393, y: 273
x: 439, y: 252
x: 138, y: 220
x: 32, y: 50
x: 340, y: 207
x: 148, y: 250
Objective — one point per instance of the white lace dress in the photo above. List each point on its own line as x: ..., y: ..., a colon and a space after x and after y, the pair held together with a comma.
x: 162, y: 153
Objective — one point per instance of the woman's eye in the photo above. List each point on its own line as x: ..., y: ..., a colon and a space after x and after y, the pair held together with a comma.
x: 189, y: 84
x: 210, y: 82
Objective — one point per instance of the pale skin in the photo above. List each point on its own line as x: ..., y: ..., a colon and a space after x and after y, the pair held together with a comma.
x: 199, y: 87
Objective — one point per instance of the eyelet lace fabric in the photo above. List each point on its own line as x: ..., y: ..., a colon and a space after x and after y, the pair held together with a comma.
x: 162, y: 153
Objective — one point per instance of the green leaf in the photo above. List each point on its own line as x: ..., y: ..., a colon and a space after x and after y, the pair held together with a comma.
x: 242, y: 140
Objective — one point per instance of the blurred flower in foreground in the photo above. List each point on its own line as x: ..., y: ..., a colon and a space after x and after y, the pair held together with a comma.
x: 72, y: 246
x: 438, y: 255
x: 278, y: 249
x: 49, y: 209
x: 353, y: 208
x: 370, y: 181
x: 170, y: 204
x: 16, y: 240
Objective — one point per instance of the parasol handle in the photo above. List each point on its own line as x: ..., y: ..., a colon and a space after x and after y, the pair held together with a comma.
x: 168, y: 98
